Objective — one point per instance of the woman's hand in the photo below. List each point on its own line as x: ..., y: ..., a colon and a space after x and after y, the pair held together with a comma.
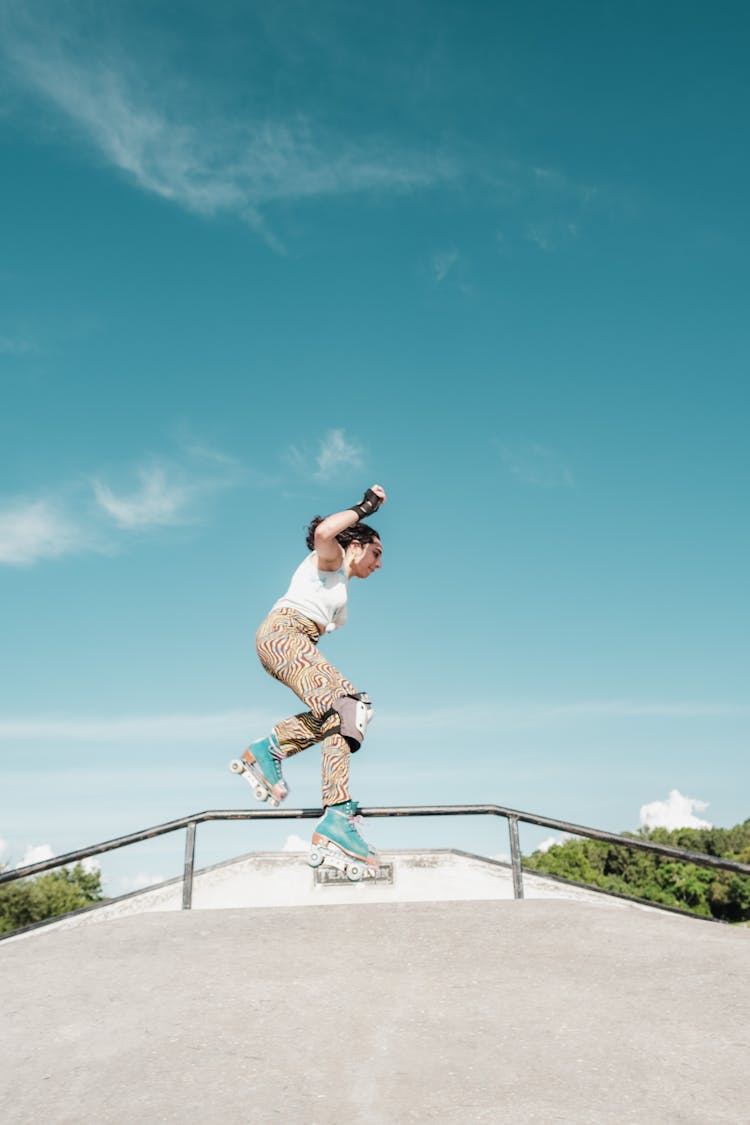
x: 370, y: 502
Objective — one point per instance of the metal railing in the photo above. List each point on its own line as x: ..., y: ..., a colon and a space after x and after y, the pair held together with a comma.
x: 513, y: 816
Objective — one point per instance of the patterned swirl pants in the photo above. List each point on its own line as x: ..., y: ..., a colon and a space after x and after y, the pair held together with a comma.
x: 286, y: 645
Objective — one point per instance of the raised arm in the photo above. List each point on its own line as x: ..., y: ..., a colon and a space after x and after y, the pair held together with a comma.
x: 330, y: 553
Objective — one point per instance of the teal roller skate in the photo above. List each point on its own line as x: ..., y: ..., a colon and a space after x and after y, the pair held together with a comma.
x: 260, y: 765
x: 338, y: 842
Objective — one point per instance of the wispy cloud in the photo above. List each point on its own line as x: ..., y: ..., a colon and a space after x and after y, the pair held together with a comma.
x: 16, y: 345
x: 202, y: 452
x: 535, y: 464
x: 232, y: 726
x: 37, y: 529
x: 158, y: 501
x: 442, y: 262
x: 554, y: 180
x: 177, y: 151
x: 95, y: 516
x: 335, y: 452
x: 552, y: 234
x: 540, y: 236
x: 175, y: 136
x: 545, y: 209
x: 535, y: 715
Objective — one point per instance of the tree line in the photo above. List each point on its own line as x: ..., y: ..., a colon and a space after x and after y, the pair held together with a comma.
x: 26, y: 901
x: 614, y: 867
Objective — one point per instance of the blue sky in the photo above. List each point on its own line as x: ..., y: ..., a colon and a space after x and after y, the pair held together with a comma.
x: 254, y: 258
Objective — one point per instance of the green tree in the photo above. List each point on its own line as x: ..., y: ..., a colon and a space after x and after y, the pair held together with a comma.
x: 662, y: 880
x: 57, y: 892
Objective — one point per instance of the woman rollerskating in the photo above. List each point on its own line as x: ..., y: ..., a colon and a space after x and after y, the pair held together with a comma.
x: 342, y: 547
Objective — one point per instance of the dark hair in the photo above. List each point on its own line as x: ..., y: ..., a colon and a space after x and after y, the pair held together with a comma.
x: 360, y: 533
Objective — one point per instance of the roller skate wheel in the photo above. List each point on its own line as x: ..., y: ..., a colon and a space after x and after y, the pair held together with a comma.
x: 236, y: 766
x: 260, y: 793
x: 316, y: 857
x: 354, y: 872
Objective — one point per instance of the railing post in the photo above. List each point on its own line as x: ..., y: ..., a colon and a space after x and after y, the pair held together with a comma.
x: 515, y: 857
x: 187, y: 877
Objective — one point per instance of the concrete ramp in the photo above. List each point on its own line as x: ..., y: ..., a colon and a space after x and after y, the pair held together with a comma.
x: 528, y: 1011
x: 264, y: 879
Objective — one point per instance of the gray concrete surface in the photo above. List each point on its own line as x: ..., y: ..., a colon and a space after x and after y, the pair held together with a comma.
x: 521, y: 1012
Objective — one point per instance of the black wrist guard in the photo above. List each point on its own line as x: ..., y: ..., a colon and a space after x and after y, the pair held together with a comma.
x: 370, y: 503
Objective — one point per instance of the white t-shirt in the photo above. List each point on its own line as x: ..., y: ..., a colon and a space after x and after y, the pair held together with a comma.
x: 320, y: 595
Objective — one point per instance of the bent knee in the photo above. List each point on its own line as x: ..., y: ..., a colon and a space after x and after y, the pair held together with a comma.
x: 352, y: 714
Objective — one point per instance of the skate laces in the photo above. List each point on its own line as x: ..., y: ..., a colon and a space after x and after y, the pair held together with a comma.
x: 356, y: 820
x: 277, y: 756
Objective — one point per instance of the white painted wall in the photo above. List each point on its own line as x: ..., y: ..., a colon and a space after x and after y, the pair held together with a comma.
x: 284, y: 879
